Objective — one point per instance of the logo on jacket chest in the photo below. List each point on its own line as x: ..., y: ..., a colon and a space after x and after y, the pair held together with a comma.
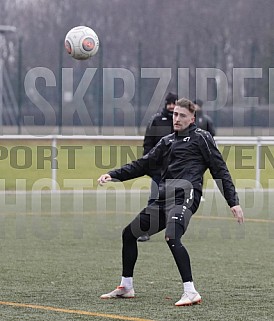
x: 186, y: 139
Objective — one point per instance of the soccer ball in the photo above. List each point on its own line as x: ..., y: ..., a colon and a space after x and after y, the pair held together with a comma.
x: 81, y: 42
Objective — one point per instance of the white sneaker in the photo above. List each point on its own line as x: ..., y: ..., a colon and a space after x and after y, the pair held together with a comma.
x: 119, y: 292
x: 189, y: 298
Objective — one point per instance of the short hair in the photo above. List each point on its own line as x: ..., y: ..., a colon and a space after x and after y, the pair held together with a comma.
x: 186, y: 103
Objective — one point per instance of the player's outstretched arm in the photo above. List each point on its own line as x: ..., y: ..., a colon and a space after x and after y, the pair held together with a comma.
x: 104, y: 179
x: 238, y: 213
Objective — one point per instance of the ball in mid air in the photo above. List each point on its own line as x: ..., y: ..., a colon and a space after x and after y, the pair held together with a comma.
x: 81, y: 42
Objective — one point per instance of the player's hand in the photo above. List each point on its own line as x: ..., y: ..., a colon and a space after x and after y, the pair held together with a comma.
x: 238, y: 213
x: 104, y: 179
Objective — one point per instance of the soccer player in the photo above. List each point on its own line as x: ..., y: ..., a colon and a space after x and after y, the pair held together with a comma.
x: 183, y: 158
x: 160, y: 125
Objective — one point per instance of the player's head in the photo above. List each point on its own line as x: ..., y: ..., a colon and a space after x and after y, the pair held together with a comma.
x: 183, y: 114
x: 170, y: 101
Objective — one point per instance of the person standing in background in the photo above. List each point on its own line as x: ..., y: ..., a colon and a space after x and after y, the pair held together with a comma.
x: 203, y: 121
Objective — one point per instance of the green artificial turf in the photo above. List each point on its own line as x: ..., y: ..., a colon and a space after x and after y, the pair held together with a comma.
x: 65, y: 252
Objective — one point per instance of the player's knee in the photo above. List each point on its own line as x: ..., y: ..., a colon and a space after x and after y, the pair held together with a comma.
x: 127, y: 234
x: 173, y: 242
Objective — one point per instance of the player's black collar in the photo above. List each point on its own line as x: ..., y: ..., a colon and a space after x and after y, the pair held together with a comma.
x: 186, y: 132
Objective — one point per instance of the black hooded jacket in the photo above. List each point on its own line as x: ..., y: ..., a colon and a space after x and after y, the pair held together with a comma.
x: 183, y: 158
x: 160, y: 125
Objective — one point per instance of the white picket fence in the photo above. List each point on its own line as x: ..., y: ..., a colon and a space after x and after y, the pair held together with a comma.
x: 258, y: 142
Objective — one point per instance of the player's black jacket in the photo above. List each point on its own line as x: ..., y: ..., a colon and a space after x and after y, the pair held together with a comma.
x: 183, y: 158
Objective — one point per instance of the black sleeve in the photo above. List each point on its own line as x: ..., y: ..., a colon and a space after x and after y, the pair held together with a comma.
x: 142, y: 166
x: 219, y: 170
x: 149, y: 139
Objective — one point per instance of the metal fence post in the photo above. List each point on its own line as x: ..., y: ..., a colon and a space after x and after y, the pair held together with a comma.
x: 19, y: 87
x: 258, y: 163
x: 53, y: 169
x: 1, y: 93
x: 139, y: 89
x: 60, y: 92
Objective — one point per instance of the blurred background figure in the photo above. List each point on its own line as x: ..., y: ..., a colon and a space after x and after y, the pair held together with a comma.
x: 203, y: 121
x: 160, y: 124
